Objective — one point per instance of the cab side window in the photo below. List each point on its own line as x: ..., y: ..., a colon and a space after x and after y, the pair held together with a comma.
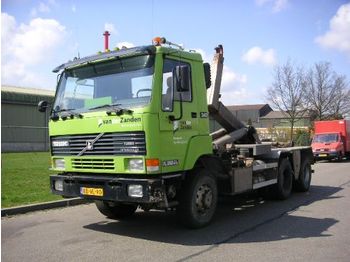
x: 168, y: 92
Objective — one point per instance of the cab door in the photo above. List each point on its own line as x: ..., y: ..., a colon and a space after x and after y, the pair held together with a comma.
x: 178, y: 115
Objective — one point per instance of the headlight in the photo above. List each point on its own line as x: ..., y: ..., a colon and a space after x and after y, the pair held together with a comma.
x: 135, y: 164
x: 135, y: 191
x: 59, y: 163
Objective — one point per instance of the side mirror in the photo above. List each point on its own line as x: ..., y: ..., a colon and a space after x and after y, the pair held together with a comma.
x: 207, y: 75
x: 42, y: 106
x: 182, y: 78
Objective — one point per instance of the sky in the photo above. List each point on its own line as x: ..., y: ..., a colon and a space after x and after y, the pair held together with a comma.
x: 257, y: 36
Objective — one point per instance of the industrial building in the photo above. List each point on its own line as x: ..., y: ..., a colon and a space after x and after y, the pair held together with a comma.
x: 23, y: 128
x: 278, y: 119
x: 250, y: 113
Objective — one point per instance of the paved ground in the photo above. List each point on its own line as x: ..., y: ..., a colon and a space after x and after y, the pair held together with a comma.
x: 312, y: 226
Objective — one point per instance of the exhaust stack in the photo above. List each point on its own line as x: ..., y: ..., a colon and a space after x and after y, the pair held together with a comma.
x: 106, y: 35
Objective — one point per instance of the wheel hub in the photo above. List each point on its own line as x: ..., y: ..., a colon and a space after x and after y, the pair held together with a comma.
x: 204, y: 198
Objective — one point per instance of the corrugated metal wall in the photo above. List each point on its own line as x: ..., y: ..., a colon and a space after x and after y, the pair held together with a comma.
x: 23, y: 128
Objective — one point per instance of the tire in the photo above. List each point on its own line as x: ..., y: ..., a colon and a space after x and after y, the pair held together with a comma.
x: 304, y: 180
x: 198, y: 199
x: 340, y: 157
x: 347, y: 155
x: 115, y: 210
x: 284, y: 185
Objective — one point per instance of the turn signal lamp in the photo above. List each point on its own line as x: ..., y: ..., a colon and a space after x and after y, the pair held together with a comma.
x: 152, y: 164
x: 158, y: 41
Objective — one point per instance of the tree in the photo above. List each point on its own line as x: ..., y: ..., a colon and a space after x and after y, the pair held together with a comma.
x: 341, y: 104
x: 287, y: 92
x: 327, y: 95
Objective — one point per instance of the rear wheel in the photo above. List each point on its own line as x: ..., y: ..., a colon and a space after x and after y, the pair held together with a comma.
x: 198, y: 199
x: 304, y: 180
x: 283, y: 188
x: 115, y: 210
x: 347, y: 155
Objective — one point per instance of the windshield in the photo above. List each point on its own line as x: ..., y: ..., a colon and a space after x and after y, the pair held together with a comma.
x: 326, y: 138
x: 126, y: 82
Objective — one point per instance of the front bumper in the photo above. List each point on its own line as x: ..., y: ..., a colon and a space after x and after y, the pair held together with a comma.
x: 326, y: 155
x: 114, y: 188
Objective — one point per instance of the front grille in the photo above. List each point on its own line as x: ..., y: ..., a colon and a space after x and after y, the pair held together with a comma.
x: 322, y: 149
x: 84, y: 163
x: 107, y: 144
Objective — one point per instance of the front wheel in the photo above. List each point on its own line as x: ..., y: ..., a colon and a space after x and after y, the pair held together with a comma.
x: 115, y: 210
x: 198, y: 199
x: 340, y: 156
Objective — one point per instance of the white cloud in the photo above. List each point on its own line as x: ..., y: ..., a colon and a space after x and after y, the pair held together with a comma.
x: 20, y: 75
x: 43, y: 7
x: 231, y: 78
x: 8, y: 27
x: 338, y: 35
x: 125, y: 44
x: 26, y: 45
x: 34, y: 12
x: 111, y: 28
x: 277, y: 5
x: 257, y: 55
x: 74, y: 8
x: 234, y: 87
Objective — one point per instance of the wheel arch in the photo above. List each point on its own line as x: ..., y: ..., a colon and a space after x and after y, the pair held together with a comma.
x: 212, y: 163
x: 198, y: 147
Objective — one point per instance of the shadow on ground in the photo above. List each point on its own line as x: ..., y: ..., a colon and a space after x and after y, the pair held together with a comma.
x: 243, y: 219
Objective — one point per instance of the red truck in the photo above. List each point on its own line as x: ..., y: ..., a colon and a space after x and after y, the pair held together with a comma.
x: 331, y: 139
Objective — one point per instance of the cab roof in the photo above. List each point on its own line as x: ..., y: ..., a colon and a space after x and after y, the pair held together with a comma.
x: 134, y: 51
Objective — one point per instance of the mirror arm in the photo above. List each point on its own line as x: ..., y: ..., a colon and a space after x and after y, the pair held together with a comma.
x: 172, y: 117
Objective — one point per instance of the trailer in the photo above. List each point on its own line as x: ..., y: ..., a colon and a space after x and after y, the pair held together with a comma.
x: 130, y: 129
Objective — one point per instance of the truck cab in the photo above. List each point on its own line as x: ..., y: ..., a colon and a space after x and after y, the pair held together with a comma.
x: 118, y: 115
x: 328, y: 146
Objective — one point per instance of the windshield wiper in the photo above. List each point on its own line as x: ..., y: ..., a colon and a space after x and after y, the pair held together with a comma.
x: 113, y: 108
x: 105, y: 105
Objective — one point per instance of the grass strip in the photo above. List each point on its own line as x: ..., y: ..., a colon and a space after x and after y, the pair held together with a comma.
x: 25, y: 179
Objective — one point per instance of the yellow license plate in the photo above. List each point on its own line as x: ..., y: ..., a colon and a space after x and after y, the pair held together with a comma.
x: 91, y: 191
x: 322, y: 155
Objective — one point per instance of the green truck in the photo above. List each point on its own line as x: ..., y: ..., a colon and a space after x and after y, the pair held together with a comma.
x: 130, y: 129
